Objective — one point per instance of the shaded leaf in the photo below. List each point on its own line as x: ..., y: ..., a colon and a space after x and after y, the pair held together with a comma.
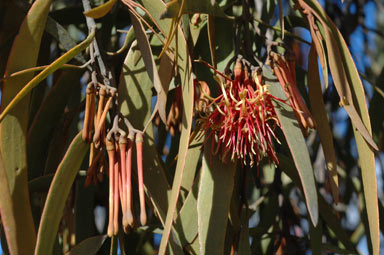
x: 58, y: 193
x: 135, y: 99
x: 191, y: 7
x: 24, y: 54
x: 47, y: 118
x: 184, y: 68
x: 46, y: 72
x: 213, y: 201
x: 351, y: 91
x: 101, y: 10
x: 40, y: 184
x: 297, y: 146
x: 146, y: 53
x: 326, y: 213
x: 320, y: 115
x: 89, y: 246
x: 244, y: 246
x: 63, y: 37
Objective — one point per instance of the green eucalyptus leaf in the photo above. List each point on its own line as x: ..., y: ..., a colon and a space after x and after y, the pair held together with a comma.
x: 57, y: 195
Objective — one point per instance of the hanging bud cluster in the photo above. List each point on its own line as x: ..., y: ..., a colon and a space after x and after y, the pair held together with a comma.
x: 94, y: 127
x: 119, y: 148
x: 96, y: 120
x: 242, y: 118
x: 285, y: 70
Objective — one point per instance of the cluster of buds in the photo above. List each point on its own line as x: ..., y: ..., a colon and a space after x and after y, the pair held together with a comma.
x: 119, y: 149
x: 284, y: 69
x: 242, y: 118
x: 94, y: 127
x: 96, y: 120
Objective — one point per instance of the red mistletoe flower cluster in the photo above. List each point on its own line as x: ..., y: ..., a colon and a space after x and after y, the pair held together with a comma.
x: 243, y: 118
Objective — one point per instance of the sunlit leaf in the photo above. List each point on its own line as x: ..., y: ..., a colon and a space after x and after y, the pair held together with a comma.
x: 297, y: 146
x: 213, y: 201
x: 101, y: 10
x: 7, y: 210
x: 58, y: 193
x: 193, y: 6
x: 23, y: 55
x: 135, y: 100
x: 46, y: 72
x: 351, y: 92
x: 184, y: 68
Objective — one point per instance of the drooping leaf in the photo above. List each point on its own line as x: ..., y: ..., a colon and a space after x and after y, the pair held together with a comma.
x: 135, y: 99
x: 244, y: 244
x: 213, y: 201
x: 88, y: 246
x: 186, y: 221
x: 57, y: 195
x: 351, y: 92
x: 47, y: 118
x: 7, y: 211
x: 101, y: 10
x: 191, y: 7
x: 63, y: 37
x: 46, y: 72
x: 184, y: 68
x: 326, y: 212
x: 191, y: 162
x: 40, y: 184
x: 316, y: 238
x: 146, y: 53
x: 320, y: 115
x: 24, y: 54
x: 297, y: 146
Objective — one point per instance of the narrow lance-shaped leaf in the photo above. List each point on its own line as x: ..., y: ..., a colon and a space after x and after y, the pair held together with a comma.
x: 297, y: 146
x: 57, y: 195
x: 342, y: 78
x: 88, y: 246
x: 193, y: 6
x: 351, y: 91
x: 101, y: 10
x: 7, y: 211
x: 320, y: 115
x: 213, y: 201
x: 46, y: 119
x: 146, y: 53
x: 325, y: 210
x: 184, y: 68
x: 23, y: 55
x: 135, y: 96
x: 46, y: 72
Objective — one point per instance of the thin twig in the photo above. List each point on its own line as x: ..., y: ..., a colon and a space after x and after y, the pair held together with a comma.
x: 92, y: 24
